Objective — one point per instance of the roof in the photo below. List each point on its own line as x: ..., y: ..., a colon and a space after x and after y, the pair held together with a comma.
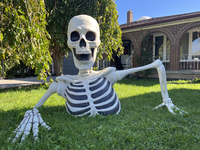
x: 159, y: 20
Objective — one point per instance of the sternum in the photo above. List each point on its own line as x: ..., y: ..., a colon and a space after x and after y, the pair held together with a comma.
x: 90, y: 99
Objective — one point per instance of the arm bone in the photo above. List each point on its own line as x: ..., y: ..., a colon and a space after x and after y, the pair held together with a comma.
x: 162, y: 78
x: 51, y: 90
x: 163, y: 86
x: 121, y: 74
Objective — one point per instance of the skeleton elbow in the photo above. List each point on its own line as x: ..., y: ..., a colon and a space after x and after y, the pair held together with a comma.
x: 53, y: 87
x: 158, y: 63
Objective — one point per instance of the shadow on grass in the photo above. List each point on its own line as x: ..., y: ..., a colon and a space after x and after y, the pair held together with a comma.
x: 182, y: 98
x: 136, y: 124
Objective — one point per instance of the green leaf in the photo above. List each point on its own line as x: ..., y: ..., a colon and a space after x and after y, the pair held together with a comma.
x: 1, y: 36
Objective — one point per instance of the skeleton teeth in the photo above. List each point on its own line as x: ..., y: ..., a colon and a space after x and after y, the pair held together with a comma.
x: 83, y: 55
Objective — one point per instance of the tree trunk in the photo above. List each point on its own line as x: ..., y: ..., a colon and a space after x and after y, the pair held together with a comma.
x: 58, y: 60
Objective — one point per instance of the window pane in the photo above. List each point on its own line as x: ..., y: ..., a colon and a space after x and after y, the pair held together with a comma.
x: 167, y: 49
x: 195, y: 46
x: 127, y: 46
x: 159, y: 47
x: 194, y: 36
x: 184, y: 47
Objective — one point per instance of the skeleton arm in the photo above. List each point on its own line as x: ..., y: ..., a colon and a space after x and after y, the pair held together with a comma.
x: 121, y: 74
x: 33, y: 117
x: 162, y: 78
x: 51, y: 90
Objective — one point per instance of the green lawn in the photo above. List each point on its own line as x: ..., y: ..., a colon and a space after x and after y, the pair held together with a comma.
x: 136, y: 127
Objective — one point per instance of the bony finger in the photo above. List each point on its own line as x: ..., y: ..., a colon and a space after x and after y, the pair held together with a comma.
x: 9, y: 139
x: 25, y: 119
x: 19, y: 132
x: 35, y: 124
x: 22, y: 127
x: 28, y: 125
x: 35, y: 130
x: 43, y: 124
x: 26, y: 131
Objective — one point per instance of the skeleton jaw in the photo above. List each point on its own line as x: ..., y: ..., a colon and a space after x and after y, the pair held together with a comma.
x: 84, y: 60
x: 83, y: 55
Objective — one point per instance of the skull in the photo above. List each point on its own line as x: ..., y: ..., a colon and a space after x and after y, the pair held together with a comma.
x: 83, y: 40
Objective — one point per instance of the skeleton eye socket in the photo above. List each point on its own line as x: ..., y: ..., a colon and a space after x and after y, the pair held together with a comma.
x: 90, y: 36
x: 75, y: 36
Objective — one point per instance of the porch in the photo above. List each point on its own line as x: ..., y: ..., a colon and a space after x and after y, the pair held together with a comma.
x: 188, y: 70
x: 178, y: 74
x: 185, y: 64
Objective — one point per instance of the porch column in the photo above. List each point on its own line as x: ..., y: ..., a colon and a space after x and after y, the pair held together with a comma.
x: 137, y: 51
x: 174, y: 55
x: 164, y: 48
x: 190, y: 46
x: 177, y: 56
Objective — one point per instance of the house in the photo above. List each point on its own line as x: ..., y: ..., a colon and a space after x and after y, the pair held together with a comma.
x: 177, y: 39
x: 177, y: 44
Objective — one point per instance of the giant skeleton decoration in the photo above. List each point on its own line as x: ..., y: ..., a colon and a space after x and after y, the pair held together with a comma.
x: 90, y: 92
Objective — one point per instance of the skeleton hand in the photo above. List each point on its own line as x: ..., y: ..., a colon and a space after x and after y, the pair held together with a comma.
x: 31, y: 117
x: 170, y: 106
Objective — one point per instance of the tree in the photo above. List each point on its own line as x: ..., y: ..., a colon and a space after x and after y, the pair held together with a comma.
x: 59, y: 14
x: 23, y: 35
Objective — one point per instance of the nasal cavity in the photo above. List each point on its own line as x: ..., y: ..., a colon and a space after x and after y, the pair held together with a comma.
x: 82, y: 43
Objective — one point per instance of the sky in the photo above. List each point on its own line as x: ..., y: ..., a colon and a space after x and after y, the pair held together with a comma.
x: 155, y: 8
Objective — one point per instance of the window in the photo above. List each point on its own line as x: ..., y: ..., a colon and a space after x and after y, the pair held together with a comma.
x: 127, y: 46
x: 195, y: 46
x: 184, y: 47
x: 161, y: 49
x: 190, y: 46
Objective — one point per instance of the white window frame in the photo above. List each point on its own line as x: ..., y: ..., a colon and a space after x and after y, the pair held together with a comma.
x: 190, y: 45
x: 164, y: 46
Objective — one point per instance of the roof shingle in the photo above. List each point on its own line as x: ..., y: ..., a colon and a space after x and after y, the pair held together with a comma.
x: 159, y: 20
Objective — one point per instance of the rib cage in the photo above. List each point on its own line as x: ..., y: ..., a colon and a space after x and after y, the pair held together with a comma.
x: 91, y: 97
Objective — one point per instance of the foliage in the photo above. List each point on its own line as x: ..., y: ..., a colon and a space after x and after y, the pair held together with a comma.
x: 137, y: 126
x: 146, y: 54
x: 7, y: 66
x: 20, y: 71
x: 104, y: 11
x: 23, y: 34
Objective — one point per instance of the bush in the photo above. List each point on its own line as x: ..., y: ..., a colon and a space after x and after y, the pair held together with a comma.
x: 20, y: 71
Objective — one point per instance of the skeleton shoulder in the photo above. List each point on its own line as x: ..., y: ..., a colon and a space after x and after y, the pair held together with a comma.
x: 65, y: 79
x: 110, y: 74
x: 62, y: 83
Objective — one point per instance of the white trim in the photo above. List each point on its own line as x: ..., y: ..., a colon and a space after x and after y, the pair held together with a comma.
x: 198, y: 60
x: 154, y: 46
x: 164, y: 48
x: 190, y: 46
